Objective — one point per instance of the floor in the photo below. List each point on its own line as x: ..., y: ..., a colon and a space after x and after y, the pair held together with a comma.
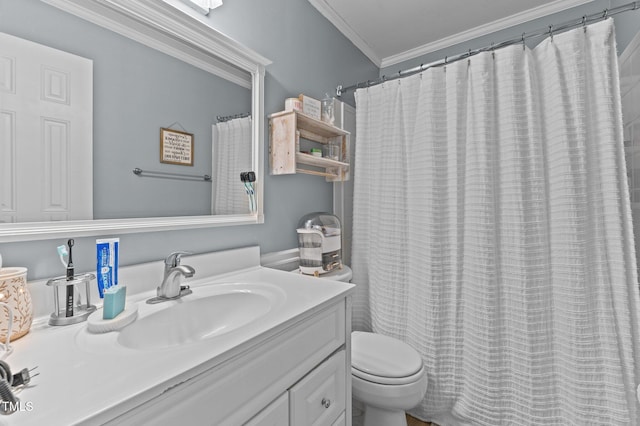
x: 358, y: 417
x: 415, y: 422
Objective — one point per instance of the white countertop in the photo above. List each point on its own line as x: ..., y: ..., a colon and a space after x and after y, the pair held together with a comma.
x: 89, y: 378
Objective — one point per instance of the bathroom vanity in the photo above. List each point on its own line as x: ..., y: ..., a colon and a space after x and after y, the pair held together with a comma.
x: 252, y: 346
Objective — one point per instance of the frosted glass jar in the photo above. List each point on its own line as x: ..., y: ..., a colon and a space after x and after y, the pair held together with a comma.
x: 331, y: 151
x: 327, y: 115
x: 14, y: 292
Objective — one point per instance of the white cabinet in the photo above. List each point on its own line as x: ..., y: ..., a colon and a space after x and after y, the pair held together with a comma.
x: 319, y: 398
x: 275, y: 414
x: 342, y: 420
x: 296, y: 366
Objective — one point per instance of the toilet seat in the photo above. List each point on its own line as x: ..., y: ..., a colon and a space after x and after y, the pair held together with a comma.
x: 388, y: 380
x: 384, y: 360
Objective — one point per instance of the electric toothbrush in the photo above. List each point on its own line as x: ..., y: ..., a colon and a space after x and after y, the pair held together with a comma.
x: 70, y: 275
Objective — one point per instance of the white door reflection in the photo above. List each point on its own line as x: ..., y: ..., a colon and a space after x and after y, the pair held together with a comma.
x: 46, y: 132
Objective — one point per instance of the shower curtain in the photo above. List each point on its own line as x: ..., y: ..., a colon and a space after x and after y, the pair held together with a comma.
x: 231, y: 156
x: 492, y: 233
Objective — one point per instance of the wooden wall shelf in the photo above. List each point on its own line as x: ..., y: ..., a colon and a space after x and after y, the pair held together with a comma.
x: 286, y: 126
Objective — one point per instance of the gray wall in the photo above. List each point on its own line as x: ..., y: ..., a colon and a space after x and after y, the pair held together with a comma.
x: 627, y: 25
x: 309, y: 55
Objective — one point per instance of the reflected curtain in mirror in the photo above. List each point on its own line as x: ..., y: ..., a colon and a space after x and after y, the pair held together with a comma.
x: 231, y: 156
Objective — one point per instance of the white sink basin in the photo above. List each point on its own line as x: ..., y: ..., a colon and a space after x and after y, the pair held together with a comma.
x: 209, y: 312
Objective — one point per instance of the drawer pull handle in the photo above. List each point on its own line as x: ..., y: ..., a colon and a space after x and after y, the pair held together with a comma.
x: 325, y: 402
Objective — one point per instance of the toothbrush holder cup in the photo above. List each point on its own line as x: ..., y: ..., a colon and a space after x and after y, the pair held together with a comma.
x: 79, y: 310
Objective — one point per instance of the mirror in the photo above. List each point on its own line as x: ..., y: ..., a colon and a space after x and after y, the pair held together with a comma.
x: 229, y: 75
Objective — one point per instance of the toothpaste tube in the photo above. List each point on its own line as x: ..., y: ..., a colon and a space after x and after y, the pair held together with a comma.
x: 107, y: 263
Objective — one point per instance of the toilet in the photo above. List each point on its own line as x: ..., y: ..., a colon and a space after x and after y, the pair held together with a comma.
x: 387, y: 375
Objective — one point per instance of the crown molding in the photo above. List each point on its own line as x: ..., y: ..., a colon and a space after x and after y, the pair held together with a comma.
x: 332, y: 16
x: 500, y: 24
x: 483, y: 30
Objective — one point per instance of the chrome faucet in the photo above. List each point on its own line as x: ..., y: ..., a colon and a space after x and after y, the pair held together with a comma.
x: 170, y: 288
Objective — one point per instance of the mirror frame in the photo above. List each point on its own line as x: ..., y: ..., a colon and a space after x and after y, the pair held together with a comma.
x: 177, y: 30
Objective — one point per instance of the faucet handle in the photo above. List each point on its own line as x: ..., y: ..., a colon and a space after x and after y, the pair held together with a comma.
x: 173, y: 259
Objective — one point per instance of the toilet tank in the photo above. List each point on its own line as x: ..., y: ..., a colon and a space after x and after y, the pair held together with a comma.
x: 320, y: 243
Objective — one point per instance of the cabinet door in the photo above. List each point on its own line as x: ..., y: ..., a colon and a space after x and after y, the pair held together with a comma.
x: 342, y: 420
x: 275, y: 414
x: 319, y: 398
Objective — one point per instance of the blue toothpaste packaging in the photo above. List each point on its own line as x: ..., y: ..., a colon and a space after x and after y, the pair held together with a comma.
x: 107, y: 264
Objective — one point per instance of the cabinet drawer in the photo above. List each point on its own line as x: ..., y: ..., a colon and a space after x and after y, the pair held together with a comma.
x: 275, y: 414
x: 319, y: 398
x: 342, y: 420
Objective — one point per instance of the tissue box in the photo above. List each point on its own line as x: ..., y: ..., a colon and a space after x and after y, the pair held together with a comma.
x: 293, y: 104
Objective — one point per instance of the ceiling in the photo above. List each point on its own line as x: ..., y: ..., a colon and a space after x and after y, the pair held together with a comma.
x: 390, y: 32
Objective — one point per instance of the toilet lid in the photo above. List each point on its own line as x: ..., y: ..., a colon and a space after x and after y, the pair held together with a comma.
x: 382, y: 356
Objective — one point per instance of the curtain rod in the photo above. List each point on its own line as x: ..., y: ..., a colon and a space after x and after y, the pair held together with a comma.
x: 586, y: 19
x: 222, y: 119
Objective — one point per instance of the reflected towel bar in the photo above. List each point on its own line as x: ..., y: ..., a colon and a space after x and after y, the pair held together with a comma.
x: 167, y: 175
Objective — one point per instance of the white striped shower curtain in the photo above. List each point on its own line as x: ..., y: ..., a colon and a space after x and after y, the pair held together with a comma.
x: 231, y: 156
x: 492, y: 233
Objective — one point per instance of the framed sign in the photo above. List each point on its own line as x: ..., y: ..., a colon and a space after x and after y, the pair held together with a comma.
x: 176, y: 147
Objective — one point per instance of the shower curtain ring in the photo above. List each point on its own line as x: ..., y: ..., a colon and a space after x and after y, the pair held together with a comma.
x: 584, y: 23
x: 551, y: 32
x: 524, y: 46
